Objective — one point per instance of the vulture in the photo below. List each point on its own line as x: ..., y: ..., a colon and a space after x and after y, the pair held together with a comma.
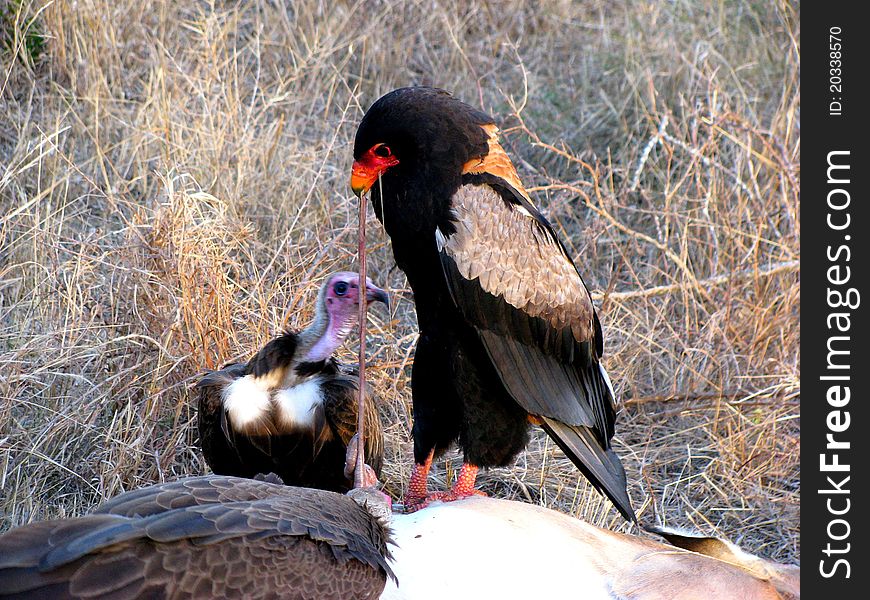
x: 509, y: 336
x: 292, y: 409
x: 206, y: 537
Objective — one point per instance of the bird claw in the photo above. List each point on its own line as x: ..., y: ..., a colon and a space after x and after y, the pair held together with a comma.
x: 350, y: 456
x: 369, y: 477
x: 415, y: 503
x: 418, y: 498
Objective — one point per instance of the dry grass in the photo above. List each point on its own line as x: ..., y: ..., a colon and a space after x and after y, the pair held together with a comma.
x: 173, y: 188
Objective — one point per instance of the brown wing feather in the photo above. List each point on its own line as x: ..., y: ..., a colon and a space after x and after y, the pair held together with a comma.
x: 495, y: 162
x: 513, y: 280
x: 203, y: 537
x: 514, y: 256
x: 191, y: 491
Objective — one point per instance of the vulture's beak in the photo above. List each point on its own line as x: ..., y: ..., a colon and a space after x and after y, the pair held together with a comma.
x: 376, y: 294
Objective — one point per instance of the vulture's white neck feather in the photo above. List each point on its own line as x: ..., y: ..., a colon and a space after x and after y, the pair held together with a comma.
x: 296, y: 405
x: 247, y: 401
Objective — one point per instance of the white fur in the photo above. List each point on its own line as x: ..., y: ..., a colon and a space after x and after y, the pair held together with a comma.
x: 295, y: 406
x: 487, y: 548
x: 246, y: 401
x: 484, y: 548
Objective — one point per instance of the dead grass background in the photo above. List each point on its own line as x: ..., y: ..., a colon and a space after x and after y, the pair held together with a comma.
x: 173, y: 189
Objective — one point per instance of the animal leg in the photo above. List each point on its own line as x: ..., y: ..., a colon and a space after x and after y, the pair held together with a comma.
x: 417, y: 496
x: 463, y: 488
x: 369, y: 479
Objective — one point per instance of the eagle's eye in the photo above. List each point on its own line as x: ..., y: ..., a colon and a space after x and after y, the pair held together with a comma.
x: 382, y: 150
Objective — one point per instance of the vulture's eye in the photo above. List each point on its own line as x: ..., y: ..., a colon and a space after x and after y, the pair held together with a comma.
x: 340, y: 288
x: 383, y: 151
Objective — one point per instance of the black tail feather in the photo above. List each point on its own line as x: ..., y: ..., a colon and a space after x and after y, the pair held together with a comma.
x: 601, y: 467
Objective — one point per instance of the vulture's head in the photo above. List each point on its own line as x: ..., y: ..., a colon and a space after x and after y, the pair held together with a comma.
x: 340, y: 296
x: 416, y: 140
x: 337, y: 313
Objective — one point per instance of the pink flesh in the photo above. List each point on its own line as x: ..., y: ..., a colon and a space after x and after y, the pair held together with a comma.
x: 331, y: 339
x: 369, y: 479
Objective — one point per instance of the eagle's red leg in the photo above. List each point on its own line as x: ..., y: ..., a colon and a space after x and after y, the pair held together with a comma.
x: 464, y: 485
x: 418, y: 497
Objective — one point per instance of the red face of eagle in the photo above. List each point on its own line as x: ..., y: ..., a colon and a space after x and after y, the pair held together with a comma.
x: 417, y: 135
x: 508, y: 332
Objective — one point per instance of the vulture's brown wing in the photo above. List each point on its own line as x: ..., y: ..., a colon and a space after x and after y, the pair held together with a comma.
x: 219, y: 441
x: 192, y: 491
x: 340, y: 407
x: 275, y: 541
x: 513, y: 280
x: 215, y: 435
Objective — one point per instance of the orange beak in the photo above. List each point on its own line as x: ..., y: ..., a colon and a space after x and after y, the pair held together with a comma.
x: 368, y: 168
x: 363, y: 177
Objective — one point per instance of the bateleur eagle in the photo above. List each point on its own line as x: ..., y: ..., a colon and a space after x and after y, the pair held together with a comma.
x: 292, y: 408
x: 508, y: 332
